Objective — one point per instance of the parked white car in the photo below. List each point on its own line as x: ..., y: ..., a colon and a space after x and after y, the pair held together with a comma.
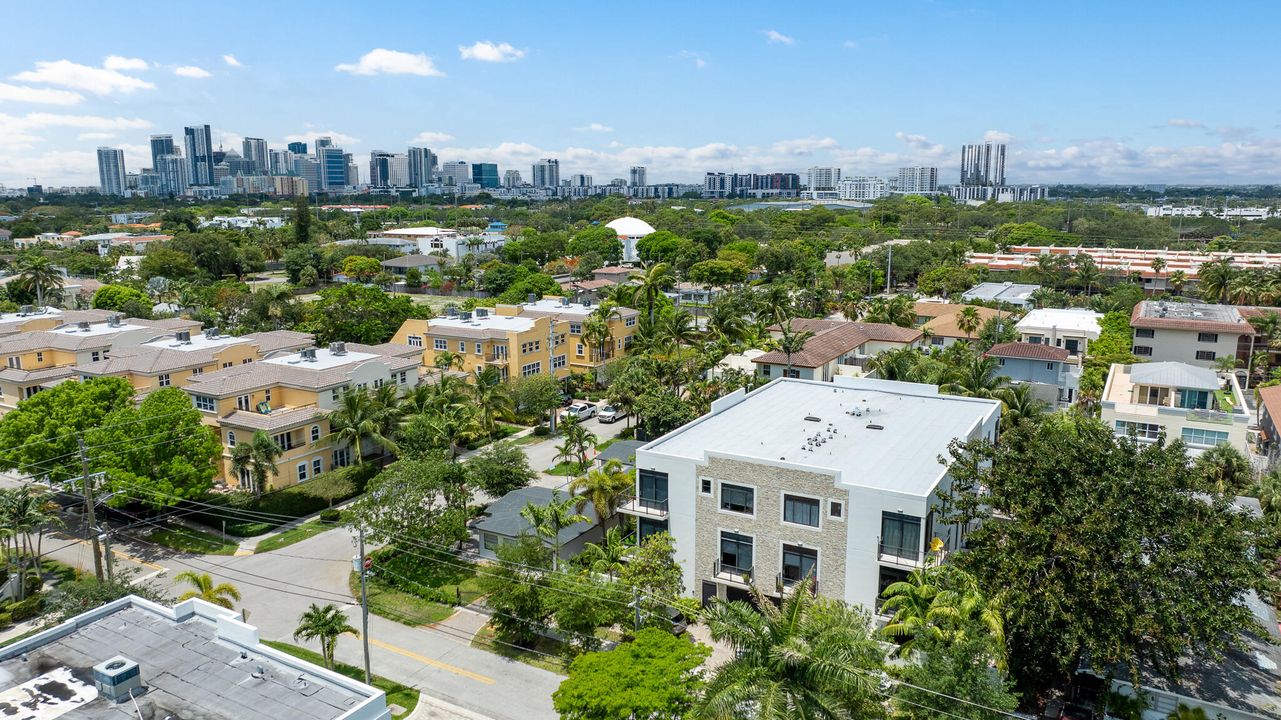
x: 609, y: 414
x: 579, y: 411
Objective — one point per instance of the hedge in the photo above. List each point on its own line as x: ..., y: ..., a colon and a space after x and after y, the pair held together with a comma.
x: 241, y: 511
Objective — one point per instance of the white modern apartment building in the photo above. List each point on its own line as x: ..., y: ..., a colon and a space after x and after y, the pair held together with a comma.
x: 1072, y: 329
x: 824, y: 178
x: 831, y: 479
x: 428, y: 240
x: 861, y: 188
x: 1188, y: 333
x: 1189, y: 403
x: 918, y: 180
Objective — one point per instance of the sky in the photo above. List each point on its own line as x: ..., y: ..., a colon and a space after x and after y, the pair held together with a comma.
x: 1088, y: 92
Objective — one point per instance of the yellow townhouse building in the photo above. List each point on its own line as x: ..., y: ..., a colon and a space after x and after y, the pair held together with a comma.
x: 174, y: 360
x: 289, y: 396
x: 36, y: 360
x: 521, y: 340
x: 30, y: 318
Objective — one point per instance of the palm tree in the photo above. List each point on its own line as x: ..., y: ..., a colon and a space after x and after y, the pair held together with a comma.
x: 652, y: 282
x: 1158, y: 264
x: 203, y: 588
x: 910, y: 603
x: 725, y: 321
x: 1225, y: 469
x: 38, y: 273
x: 1183, y: 712
x: 325, y: 624
x: 811, y: 658
x: 977, y: 379
x: 603, y: 487
x: 896, y: 364
x: 1268, y: 490
x: 577, y: 441
x: 678, y: 328
x: 360, y: 417
x: 1244, y: 288
x: 1214, y: 278
x: 968, y: 320
x: 1177, y: 280
x: 548, y: 520
x: 597, y: 333
x: 491, y: 395
x: 453, y: 426
x: 257, y: 459
x: 791, y: 342
x: 1087, y: 273
x: 446, y: 360
x: 609, y: 554
x: 1020, y: 404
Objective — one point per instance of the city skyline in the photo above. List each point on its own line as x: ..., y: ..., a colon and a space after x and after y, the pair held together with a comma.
x: 648, y: 92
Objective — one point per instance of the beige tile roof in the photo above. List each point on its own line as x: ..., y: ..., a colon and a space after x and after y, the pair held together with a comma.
x: 945, y: 325
x: 250, y: 376
x: 274, y: 421
x: 834, y: 338
x: 40, y: 375
x: 277, y: 340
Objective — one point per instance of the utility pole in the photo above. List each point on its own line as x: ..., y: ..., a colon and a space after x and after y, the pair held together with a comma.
x: 636, y: 605
x: 88, y: 496
x: 889, y: 269
x: 551, y: 354
x: 364, y: 602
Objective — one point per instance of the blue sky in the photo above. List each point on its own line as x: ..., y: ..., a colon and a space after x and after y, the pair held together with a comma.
x: 1082, y: 92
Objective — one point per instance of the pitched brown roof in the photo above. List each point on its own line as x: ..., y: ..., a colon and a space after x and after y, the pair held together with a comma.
x: 834, y: 338
x: 274, y: 420
x: 613, y: 270
x: 1030, y: 351
x: 934, y: 309
x: 1271, y: 398
x: 945, y: 325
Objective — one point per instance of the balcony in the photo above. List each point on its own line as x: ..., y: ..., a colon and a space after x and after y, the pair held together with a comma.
x: 644, y: 507
x: 897, y: 555
x: 739, y: 577
x: 784, y: 586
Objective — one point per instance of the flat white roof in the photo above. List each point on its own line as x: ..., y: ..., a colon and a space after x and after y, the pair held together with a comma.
x: 96, y: 328
x: 1075, y: 320
x: 770, y: 425
x: 417, y: 232
x: 500, y: 322
x: 324, y: 359
x: 556, y: 306
x: 20, y: 317
x: 198, y: 342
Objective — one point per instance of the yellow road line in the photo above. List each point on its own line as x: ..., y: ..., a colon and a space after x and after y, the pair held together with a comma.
x: 130, y: 558
x: 428, y: 661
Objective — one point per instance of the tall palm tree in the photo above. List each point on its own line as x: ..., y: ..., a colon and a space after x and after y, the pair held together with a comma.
x: 597, y: 333
x: 896, y: 364
x: 1214, y: 278
x: 609, y: 555
x: 1225, y: 469
x: 548, y: 520
x: 324, y: 624
x: 652, y: 282
x: 491, y: 395
x: 358, y: 418
x: 679, y: 329
x: 446, y: 360
x: 1087, y: 273
x: 257, y: 458
x: 203, y: 588
x: 977, y: 378
x: 1268, y: 490
x: 577, y: 441
x: 1177, y: 280
x: 968, y: 320
x: 603, y: 487
x: 1020, y: 404
x: 792, y: 342
x: 812, y: 658
x: 724, y: 321
x: 453, y: 426
x: 39, y: 273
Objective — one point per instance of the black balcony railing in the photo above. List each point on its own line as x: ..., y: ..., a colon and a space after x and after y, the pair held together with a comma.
x: 895, y: 551
x: 727, y: 571
x: 648, y: 505
x: 785, y: 584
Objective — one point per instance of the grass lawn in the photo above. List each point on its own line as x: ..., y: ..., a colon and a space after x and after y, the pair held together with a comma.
x: 294, y: 535
x: 486, y: 640
x: 566, y: 469
x: 529, y: 439
x: 192, y: 541
x: 397, y: 694
x: 402, y: 607
x: 412, y: 589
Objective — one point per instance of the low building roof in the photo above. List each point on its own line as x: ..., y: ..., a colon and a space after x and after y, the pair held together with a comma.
x: 588, y: 285
x: 614, y: 270
x: 1010, y: 292
x: 1030, y: 351
x: 834, y: 338
x: 1196, y: 317
x: 1271, y: 398
x: 1174, y: 375
x: 1078, y: 320
x: 290, y: 370
x: 623, y: 451
x: 925, y: 308
x: 502, y: 517
x: 945, y: 324
x: 410, y: 261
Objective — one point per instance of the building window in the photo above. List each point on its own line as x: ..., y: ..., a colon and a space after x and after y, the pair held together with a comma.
x: 835, y: 510
x: 341, y: 457
x: 1000, y: 361
x: 266, y: 395
x: 198, y: 371
x: 39, y: 356
x: 401, y: 378
x: 440, y: 344
x: 1204, y: 354
x: 531, y: 347
x: 480, y: 349
x: 799, y: 563
x: 739, y: 499
x: 163, y: 380
x: 315, y: 433
x: 559, y: 361
x: 242, y: 402
x: 1144, y: 333
x: 317, y: 466
x: 630, y: 322
x: 936, y: 340
x: 705, y: 486
x: 801, y: 510
x: 246, y: 361
x: 736, y: 552
x: 531, y: 369
x: 415, y: 341
x: 204, y: 402
x: 579, y: 350
x: 226, y: 365
x: 765, y: 370
x: 94, y: 356
x: 1199, y: 437
x: 231, y: 438
x: 378, y: 382
x: 1143, y: 350
x: 1143, y: 431
x: 1049, y: 366
x: 285, y: 441
x: 652, y: 486
x: 15, y: 362
x: 302, y: 472
x: 575, y: 328
x: 462, y: 346
x: 900, y: 535
x: 1207, y: 337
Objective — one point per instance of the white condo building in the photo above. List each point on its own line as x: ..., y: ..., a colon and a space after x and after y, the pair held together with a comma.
x: 111, y: 170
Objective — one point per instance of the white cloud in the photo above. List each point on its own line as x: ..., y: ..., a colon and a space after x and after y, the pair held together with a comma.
x: 699, y: 58
x: 804, y: 147
x: 429, y: 138
x: 595, y: 127
x: 309, y: 137
x: 99, y: 81
x: 775, y: 37
x: 116, y: 62
x: 95, y: 136
x: 43, y: 96
x: 486, y: 51
x: 996, y: 136
x: 1184, y: 123
x: 381, y: 61
x: 191, y: 71
x: 850, y: 45
x: 231, y: 60
x: 20, y: 131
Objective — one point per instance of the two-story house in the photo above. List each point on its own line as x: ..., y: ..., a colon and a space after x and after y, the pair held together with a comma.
x: 1072, y: 329
x: 835, y: 347
x: 1187, y: 402
x: 289, y: 396
x: 941, y: 322
x: 1189, y: 333
x: 1044, y: 367
x: 834, y: 480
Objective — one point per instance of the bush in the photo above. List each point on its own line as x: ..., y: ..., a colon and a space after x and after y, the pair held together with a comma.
x: 244, y: 513
x: 25, y: 609
x: 330, y: 516
x: 33, y: 582
x: 627, y: 433
x: 5, y: 619
x: 542, y: 431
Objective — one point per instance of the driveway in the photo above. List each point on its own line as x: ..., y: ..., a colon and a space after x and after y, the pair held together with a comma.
x: 542, y: 455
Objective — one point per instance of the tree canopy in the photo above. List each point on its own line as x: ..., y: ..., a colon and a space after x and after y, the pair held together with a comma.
x: 652, y: 677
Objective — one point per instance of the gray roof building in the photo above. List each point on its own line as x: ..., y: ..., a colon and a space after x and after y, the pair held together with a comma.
x: 1007, y: 292
x: 1174, y: 375
x: 503, y: 517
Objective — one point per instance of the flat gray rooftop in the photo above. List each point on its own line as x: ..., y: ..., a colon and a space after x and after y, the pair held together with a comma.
x: 187, y: 672
x: 772, y: 425
x: 1191, y: 311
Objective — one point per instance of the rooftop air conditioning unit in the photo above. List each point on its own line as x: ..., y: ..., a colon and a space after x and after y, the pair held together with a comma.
x: 183, y: 336
x: 117, y: 679
x: 564, y: 302
x: 83, y: 326
x: 451, y: 311
x: 25, y: 310
x: 114, y: 320
x: 211, y: 332
x: 337, y: 348
x: 465, y: 316
x: 531, y: 298
x: 309, y: 355
x: 482, y: 312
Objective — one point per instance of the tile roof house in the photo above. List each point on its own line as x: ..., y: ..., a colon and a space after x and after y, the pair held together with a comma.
x: 1044, y: 367
x: 834, y: 343
x: 942, y: 322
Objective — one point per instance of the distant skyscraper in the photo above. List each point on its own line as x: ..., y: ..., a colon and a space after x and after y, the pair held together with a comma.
x: 280, y: 162
x: 580, y: 180
x: 511, y: 179
x: 306, y: 167
x: 200, y: 161
x: 636, y: 176
x: 254, y: 150
x: 546, y: 173
x: 297, y: 148
x: 323, y: 142
x: 173, y: 171
x: 333, y: 166
x: 456, y: 172
x: 111, y: 170
x: 918, y: 179
x: 388, y: 169
x: 353, y: 170
x: 824, y: 178
x: 983, y: 164
x: 485, y: 174
x: 422, y: 163
x: 160, y: 145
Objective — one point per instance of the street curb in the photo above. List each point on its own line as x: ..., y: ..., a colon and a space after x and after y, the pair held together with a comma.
x: 428, y: 703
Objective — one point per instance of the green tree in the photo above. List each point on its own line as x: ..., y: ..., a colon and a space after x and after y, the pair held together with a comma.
x: 122, y: 298
x: 607, y: 556
x: 39, y: 436
x: 598, y: 240
x: 651, y: 284
x: 361, y: 419
x: 956, y: 669
x: 514, y: 589
x: 414, y: 501
x: 603, y: 487
x: 577, y: 441
x: 499, y: 469
x: 301, y: 221
x: 167, y: 263
x: 256, y: 459
x: 653, y: 677
x: 661, y: 412
x: 547, y: 521
x: 203, y: 588
x: 358, y: 313
x: 491, y: 395
x: 654, y: 575
x: 361, y: 268
x: 581, y: 604
x: 717, y: 273
x: 38, y: 273
x: 1224, y: 469
x: 968, y: 320
x: 325, y: 625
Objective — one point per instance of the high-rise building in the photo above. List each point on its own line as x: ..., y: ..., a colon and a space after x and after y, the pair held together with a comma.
x: 983, y: 164
x: 546, y: 173
x: 580, y: 180
x: 388, y: 169
x: 160, y: 145
x: 485, y: 174
x: 200, y: 160
x: 455, y: 173
x: 308, y: 168
x: 333, y: 166
x: 918, y: 180
x: 512, y: 179
x: 861, y: 188
x: 174, y: 174
x: 255, y: 151
x: 422, y: 163
x: 824, y: 178
x: 636, y: 176
x: 297, y: 148
x: 280, y: 162
x: 111, y: 170
x: 322, y: 142
x: 353, y: 170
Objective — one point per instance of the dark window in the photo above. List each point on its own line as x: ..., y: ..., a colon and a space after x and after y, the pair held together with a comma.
x: 764, y: 370
x: 800, y: 510
x: 835, y: 509
x: 738, y: 499
x: 1143, y: 350
x: 1204, y: 354
x: 706, y: 485
x: 1144, y: 333
x: 1207, y: 337
x: 646, y: 527
x: 798, y: 562
x: 900, y: 535
x: 736, y: 551
x: 653, y: 489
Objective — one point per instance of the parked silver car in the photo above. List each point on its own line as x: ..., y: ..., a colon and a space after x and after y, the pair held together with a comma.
x: 609, y: 414
x: 579, y: 411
